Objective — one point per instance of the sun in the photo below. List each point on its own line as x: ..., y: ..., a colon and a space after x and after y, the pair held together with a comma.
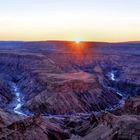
x: 77, y: 40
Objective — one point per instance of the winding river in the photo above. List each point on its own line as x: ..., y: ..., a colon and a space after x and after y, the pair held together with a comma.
x: 112, y: 77
x: 18, y: 102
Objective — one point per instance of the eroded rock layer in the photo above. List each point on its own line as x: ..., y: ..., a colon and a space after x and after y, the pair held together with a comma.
x: 59, y: 78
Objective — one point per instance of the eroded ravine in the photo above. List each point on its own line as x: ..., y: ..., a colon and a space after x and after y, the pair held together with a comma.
x: 89, y: 94
x: 18, y: 100
x: 112, y: 76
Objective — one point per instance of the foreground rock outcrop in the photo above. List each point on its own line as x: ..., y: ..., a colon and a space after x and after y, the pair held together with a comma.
x: 122, y: 126
x: 31, y: 128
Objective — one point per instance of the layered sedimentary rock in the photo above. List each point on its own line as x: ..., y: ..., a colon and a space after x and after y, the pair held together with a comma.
x: 115, y: 127
x: 53, y: 74
x: 105, y: 126
x: 70, y: 93
x: 30, y: 128
x: 56, y: 78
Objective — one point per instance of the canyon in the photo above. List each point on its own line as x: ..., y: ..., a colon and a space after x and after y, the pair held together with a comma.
x: 55, y: 90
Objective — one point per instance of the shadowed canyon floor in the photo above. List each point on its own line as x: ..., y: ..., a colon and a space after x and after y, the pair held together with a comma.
x: 62, y: 90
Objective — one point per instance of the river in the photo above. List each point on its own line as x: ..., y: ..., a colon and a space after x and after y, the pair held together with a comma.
x: 18, y: 101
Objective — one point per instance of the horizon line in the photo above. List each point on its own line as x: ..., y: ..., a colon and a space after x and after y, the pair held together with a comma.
x: 59, y: 40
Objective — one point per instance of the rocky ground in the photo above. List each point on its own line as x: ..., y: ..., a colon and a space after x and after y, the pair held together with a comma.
x: 58, y: 90
x: 120, y: 124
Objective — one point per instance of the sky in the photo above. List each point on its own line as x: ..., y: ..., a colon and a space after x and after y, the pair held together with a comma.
x: 87, y: 20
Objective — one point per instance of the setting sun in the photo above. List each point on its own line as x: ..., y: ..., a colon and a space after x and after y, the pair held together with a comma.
x: 77, y: 40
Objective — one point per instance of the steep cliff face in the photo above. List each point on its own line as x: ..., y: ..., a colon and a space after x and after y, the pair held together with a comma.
x: 72, y: 93
x: 5, y: 95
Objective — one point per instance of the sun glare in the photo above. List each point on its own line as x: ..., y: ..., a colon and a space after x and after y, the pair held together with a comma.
x: 77, y: 40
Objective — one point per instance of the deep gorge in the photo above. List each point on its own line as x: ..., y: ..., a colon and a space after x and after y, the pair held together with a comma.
x: 59, y: 93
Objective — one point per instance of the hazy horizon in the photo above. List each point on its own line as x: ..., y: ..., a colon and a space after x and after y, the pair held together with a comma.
x: 89, y: 20
x: 84, y: 41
